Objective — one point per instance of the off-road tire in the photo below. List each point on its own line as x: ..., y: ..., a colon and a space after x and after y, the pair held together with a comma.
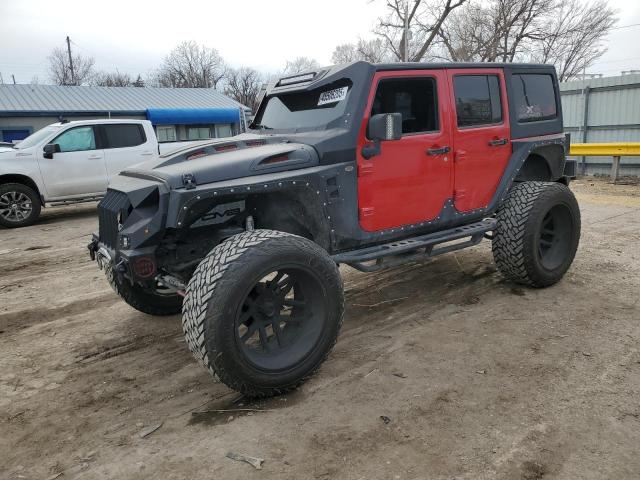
x: 214, y: 299
x: 520, y: 225
x: 35, y: 205
x: 147, y: 302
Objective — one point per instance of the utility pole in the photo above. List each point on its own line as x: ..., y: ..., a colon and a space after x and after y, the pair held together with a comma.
x: 14, y: 78
x: 406, y: 31
x: 73, y: 77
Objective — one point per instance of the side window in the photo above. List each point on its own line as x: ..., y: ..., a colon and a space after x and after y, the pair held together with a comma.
x: 166, y: 133
x: 123, y: 135
x: 534, y: 97
x: 224, y: 130
x: 414, y: 98
x: 477, y: 99
x: 76, y: 140
x: 198, y: 133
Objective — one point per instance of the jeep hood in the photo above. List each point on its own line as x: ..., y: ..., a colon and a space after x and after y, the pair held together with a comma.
x: 236, y: 157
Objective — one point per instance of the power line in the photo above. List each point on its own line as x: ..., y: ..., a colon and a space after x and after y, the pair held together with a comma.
x: 625, y: 26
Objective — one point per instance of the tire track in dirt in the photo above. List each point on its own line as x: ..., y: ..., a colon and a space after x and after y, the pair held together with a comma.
x: 32, y: 316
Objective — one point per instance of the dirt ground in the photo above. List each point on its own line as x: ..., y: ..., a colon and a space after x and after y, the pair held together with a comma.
x: 443, y: 371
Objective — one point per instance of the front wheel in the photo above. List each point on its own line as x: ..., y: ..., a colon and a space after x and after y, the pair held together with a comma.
x: 19, y: 205
x: 537, y: 233
x: 160, y: 302
x: 263, y: 310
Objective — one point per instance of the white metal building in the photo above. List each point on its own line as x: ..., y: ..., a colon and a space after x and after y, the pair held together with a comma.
x: 176, y: 113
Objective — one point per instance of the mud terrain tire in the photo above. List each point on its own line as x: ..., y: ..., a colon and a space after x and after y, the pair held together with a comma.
x: 537, y: 234
x: 263, y: 310
x: 147, y: 302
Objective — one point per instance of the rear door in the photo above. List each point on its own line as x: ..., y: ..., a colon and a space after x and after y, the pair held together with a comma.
x: 409, y: 181
x: 125, y: 144
x: 78, y: 169
x: 481, y: 135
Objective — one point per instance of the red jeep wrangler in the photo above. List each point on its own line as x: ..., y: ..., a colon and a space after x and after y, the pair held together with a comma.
x: 361, y: 164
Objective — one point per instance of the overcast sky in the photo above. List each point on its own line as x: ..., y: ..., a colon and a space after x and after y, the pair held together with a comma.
x: 133, y: 36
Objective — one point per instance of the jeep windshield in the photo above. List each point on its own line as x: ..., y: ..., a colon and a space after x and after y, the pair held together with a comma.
x: 307, y: 110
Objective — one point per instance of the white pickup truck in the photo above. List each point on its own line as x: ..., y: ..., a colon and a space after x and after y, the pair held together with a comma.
x: 70, y: 162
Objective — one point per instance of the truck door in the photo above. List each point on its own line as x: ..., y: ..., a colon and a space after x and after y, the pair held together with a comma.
x: 481, y: 135
x: 125, y: 144
x: 78, y: 169
x: 411, y: 178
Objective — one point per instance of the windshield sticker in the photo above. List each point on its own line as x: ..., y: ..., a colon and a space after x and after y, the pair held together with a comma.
x: 332, y: 96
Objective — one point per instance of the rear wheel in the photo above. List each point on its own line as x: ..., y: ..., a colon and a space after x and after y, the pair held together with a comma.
x: 19, y: 205
x: 263, y: 310
x: 537, y: 234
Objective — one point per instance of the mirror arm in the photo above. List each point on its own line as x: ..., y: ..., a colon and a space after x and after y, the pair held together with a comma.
x: 371, y: 149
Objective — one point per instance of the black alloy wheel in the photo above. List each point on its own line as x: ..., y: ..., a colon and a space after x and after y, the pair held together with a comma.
x: 279, y: 322
x: 554, y: 238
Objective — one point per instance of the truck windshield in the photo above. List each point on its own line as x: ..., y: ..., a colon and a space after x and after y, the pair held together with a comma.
x: 304, y: 110
x: 37, y: 137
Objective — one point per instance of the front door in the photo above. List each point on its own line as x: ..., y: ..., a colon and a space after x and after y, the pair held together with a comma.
x: 78, y: 169
x: 411, y: 178
x: 481, y: 138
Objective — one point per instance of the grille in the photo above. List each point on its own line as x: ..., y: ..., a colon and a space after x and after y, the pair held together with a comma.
x: 109, y: 208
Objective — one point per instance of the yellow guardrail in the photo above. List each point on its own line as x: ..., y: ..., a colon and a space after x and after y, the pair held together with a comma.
x: 616, y: 149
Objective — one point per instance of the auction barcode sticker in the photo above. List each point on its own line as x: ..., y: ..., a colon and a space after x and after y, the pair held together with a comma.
x: 332, y: 96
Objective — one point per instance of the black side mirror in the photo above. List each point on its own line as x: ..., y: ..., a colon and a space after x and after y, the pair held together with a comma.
x: 49, y: 149
x: 382, y: 127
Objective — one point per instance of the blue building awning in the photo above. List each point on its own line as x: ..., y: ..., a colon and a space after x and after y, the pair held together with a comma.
x: 192, y: 116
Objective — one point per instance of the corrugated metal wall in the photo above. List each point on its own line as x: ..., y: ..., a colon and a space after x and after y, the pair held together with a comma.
x: 609, y: 108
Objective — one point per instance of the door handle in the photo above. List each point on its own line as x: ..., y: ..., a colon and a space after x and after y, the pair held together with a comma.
x: 94, y: 157
x: 497, y: 142
x: 438, y: 151
x: 146, y: 154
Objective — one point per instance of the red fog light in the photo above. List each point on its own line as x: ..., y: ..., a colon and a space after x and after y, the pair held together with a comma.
x: 144, y: 267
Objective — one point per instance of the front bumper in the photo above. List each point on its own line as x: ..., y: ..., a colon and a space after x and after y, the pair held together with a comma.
x: 135, y: 266
x: 104, y: 258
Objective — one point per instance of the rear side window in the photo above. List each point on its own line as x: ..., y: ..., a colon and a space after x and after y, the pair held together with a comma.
x: 123, y: 135
x: 477, y: 99
x: 534, y: 97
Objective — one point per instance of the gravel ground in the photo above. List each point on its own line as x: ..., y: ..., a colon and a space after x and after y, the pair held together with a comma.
x: 443, y: 370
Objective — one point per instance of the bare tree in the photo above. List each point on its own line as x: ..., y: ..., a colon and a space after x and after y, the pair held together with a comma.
x: 60, y: 70
x: 243, y: 85
x: 373, y: 51
x: 574, y: 38
x: 422, y: 19
x: 191, y: 65
x: 112, y: 79
x: 567, y: 33
x: 345, y: 53
x: 139, y: 82
x: 300, y: 64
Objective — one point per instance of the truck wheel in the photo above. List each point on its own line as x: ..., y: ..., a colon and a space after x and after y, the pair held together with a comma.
x: 263, y: 310
x: 159, y: 304
x: 19, y: 205
x: 537, y: 233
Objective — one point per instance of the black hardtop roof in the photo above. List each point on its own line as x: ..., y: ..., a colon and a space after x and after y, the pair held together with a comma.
x: 445, y: 65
